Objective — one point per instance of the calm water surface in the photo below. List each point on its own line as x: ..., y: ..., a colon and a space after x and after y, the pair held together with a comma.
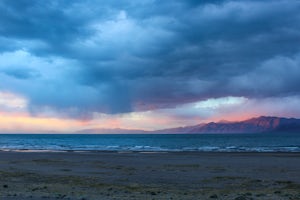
x: 267, y: 142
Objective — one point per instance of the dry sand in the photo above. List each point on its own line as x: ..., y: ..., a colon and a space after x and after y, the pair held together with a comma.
x: 144, y: 175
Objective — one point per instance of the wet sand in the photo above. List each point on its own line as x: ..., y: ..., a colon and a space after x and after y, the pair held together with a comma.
x: 146, y: 175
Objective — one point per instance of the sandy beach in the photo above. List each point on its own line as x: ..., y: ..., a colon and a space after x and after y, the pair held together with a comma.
x: 148, y: 175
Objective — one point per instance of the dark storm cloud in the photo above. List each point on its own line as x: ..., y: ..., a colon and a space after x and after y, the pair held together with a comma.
x: 38, y: 20
x: 118, y: 57
x: 20, y: 73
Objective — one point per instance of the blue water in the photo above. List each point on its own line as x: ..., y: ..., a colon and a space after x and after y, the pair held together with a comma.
x: 268, y: 142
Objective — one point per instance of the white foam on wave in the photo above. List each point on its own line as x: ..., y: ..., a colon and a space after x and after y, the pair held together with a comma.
x: 31, y: 150
x: 140, y: 148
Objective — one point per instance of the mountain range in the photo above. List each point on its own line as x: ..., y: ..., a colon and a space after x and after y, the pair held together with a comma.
x: 254, y: 125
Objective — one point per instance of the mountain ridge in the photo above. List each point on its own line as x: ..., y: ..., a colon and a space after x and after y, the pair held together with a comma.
x: 253, y: 125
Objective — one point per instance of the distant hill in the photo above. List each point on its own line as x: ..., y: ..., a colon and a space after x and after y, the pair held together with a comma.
x: 253, y: 125
x: 112, y: 131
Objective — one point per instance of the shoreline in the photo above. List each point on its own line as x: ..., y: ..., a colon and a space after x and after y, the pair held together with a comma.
x: 143, y: 151
x: 147, y: 175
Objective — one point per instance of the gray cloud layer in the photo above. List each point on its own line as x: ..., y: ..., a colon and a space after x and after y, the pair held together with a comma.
x: 117, y: 57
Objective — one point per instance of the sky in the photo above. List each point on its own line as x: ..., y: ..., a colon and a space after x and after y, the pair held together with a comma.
x: 67, y: 66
